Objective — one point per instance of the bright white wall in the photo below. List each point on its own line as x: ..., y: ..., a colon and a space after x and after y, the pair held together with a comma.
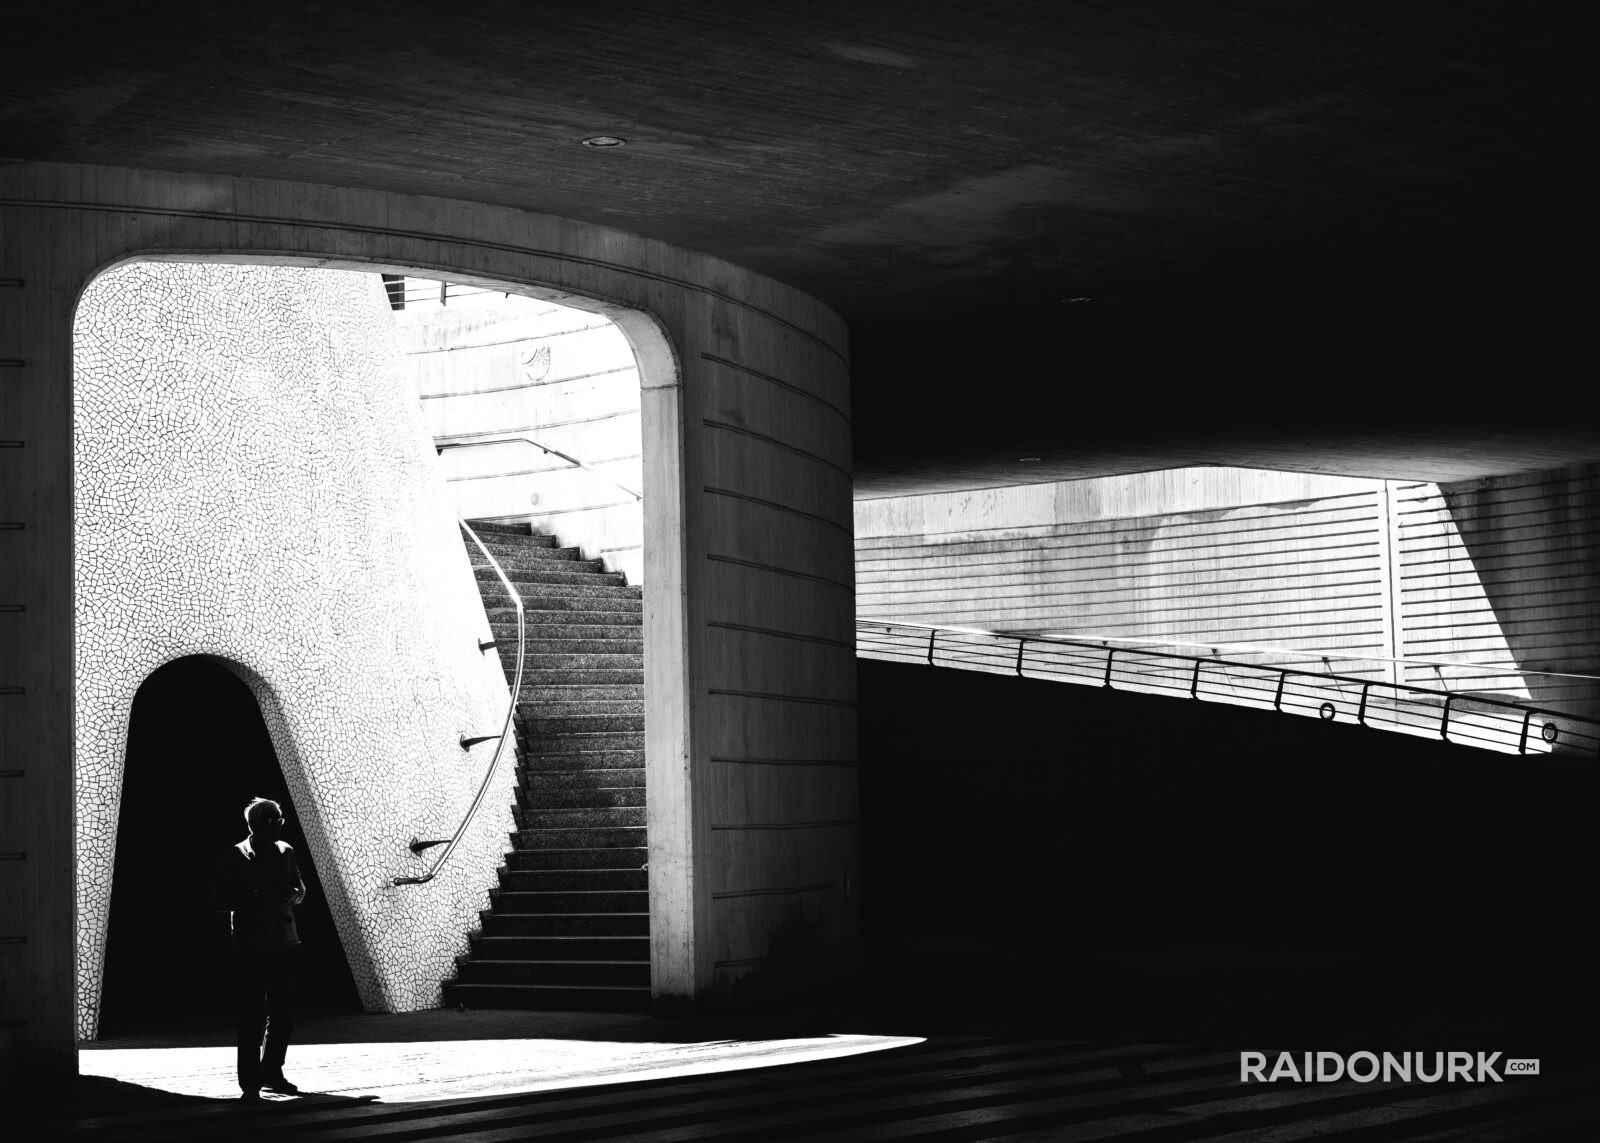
x: 255, y: 483
x: 487, y: 367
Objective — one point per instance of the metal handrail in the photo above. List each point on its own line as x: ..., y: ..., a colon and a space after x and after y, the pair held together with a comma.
x: 572, y: 460
x: 1526, y: 710
x: 505, y: 730
x: 1321, y: 654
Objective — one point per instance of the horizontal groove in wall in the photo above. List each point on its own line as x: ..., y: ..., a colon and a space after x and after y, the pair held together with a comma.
x: 756, y: 566
x: 777, y: 507
x: 990, y: 604
x: 747, y: 761
x: 1132, y: 576
x: 834, y: 823
x: 538, y: 512
x: 776, y: 634
x: 1417, y: 568
x: 779, y: 382
x: 777, y: 696
x: 1102, y: 535
x: 1153, y: 536
x: 530, y: 384
x: 11, y: 773
x: 602, y: 323
x: 778, y: 891
x: 1061, y: 547
x: 723, y: 426
x: 742, y: 962
x: 1277, y: 582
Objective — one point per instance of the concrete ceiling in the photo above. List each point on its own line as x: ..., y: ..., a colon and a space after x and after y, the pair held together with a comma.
x: 1349, y: 237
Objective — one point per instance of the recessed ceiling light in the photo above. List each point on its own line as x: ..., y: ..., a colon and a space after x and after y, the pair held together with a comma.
x: 603, y: 141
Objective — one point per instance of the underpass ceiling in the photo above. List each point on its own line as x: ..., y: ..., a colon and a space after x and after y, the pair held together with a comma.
x: 1351, y: 237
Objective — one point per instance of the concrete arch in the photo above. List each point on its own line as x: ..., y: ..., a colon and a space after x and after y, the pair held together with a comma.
x: 753, y: 810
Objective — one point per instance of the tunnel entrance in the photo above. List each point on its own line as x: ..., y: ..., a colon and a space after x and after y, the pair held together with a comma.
x: 198, y: 751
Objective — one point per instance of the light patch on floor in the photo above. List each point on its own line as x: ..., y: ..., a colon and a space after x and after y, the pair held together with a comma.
x: 455, y: 1069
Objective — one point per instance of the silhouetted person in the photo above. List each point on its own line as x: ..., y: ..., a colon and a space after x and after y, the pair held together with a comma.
x: 259, y: 883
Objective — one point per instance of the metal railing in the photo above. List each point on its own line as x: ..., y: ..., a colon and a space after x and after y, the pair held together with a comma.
x: 1466, y: 719
x: 548, y: 451
x: 450, y: 843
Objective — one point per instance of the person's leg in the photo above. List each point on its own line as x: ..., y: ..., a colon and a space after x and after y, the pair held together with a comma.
x: 280, y: 1012
x: 250, y: 1010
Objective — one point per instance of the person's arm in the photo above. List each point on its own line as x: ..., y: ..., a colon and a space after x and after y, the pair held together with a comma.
x: 298, y: 893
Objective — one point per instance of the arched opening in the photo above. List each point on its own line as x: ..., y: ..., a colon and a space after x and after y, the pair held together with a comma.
x: 297, y: 439
x: 198, y: 750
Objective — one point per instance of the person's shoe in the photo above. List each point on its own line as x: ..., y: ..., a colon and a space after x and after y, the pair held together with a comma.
x: 249, y: 1096
x: 277, y: 1083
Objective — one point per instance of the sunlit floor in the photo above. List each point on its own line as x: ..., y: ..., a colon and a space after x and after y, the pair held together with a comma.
x: 451, y: 1055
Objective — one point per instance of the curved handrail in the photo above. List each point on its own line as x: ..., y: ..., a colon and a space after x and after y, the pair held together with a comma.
x: 505, y: 730
x: 1526, y: 709
x: 572, y: 460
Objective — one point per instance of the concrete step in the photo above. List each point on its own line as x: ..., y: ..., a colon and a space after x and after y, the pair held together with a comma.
x: 617, y: 603
x: 557, y: 760
x: 539, y: 745
x: 572, y: 639
x: 583, y: 677
x: 620, y: 857
x: 576, y: 694
x: 559, y: 973
x: 493, y: 528
x: 578, y: 817
x: 536, y: 723
x: 602, y: 661
x: 565, y: 924
x: 580, y: 798
x: 580, y: 837
x: 576, y: 998
x: 508, y: 554
x: 535, y: 576
x: 495, y: 595
x: 506, y: 903
x: 549, y: 880
x: 560, y: 948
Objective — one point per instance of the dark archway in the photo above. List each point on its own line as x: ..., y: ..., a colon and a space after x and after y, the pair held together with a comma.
x: 198, y: 750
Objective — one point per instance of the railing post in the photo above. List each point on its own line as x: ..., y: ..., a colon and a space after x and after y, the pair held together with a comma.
x: 1194, y: 680
x: 1361, y: 711
x: 932, y: 635
x: 1277, y: 699
x: 1021, y: 643
x: 1522, y: 742
x: 1111, y: 653
x: 1444, y: 722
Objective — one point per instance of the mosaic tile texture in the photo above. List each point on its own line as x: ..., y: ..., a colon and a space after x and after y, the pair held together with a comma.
x: 255, y: 483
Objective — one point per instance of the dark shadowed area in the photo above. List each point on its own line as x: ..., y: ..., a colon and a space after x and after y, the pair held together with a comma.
x: 198, y: 751
x: 1041, y: 854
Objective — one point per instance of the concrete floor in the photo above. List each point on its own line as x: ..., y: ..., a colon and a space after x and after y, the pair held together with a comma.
x: 576, y: 1078
x: 444, y: 1054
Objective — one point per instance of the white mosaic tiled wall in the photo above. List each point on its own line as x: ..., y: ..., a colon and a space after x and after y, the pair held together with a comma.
x: 255, y: 482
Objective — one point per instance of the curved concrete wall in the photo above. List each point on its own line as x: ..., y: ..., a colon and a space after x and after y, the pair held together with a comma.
x: 490, y: 368
x: 253, y: 486
x: 748, y: 640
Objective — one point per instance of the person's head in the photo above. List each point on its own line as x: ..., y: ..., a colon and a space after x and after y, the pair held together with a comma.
x: 264, y: 817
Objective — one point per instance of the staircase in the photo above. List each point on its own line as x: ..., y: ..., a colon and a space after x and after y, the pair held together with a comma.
x: 569, y: 926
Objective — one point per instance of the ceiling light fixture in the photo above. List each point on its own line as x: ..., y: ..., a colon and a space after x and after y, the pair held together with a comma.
x: 603, y: 141
x: 1029, y: 459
